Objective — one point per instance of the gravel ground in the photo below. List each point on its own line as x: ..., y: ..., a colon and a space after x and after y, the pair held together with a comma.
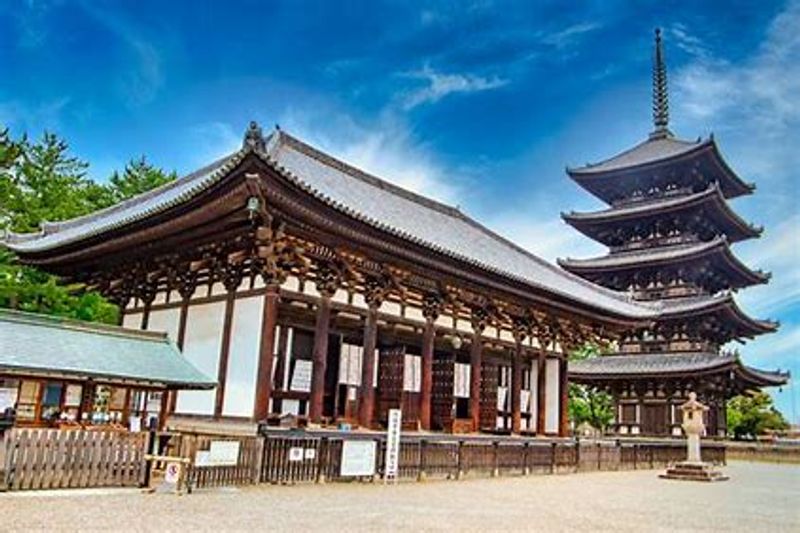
x: 759, y: 497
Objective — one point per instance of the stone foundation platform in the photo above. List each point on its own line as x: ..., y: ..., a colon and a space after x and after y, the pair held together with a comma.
x: 687, y: 471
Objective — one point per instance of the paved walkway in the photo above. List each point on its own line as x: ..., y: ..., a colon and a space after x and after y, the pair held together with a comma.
x: 759, y: 497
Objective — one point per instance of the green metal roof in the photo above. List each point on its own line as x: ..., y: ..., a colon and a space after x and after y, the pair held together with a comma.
x: 38, y: 344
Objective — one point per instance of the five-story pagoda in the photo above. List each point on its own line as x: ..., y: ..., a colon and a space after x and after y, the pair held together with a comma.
x: 669, y: 230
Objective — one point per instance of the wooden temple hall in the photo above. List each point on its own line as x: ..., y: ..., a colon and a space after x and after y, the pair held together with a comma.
x: 308, y: 287
x: 669, y: 230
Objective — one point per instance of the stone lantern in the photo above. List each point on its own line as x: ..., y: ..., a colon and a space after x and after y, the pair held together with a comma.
x: 693, y: 468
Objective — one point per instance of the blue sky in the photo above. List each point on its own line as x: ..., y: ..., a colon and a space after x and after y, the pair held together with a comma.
x: 480, y: 104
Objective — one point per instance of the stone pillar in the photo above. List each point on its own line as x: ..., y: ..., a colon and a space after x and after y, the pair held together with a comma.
x: 366, y: 400
x: 475, y: 360
x: 426, y: 385
x: 269, y: 320
x: 516, y: 387
x: 320, y: 356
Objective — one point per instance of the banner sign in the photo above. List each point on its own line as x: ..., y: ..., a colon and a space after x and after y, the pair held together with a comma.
x: 393, y: 444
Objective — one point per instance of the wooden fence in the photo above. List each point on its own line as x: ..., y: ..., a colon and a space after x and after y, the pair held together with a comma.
x: 40, y: 458
x: 54, y: 459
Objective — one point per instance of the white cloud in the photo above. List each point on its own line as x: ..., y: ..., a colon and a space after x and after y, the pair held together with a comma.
x: 213, y: 140
x: 438, y: 85
x: 549, y: 239
x: 759, y: 92
x: 386, y: 148
x: 570, y: 35
x: 777, y: 252
x: 143, y: 76
x: 27, y: 116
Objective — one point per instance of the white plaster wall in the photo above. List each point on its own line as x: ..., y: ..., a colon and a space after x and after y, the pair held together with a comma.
x: 166, y: 320
x: 132, y: 320
x: 201, y: 348
x: 415, y: 313
x: 534, y: 395
x: 390, y: 308
x: 240, y: 385
x: 551, y: 396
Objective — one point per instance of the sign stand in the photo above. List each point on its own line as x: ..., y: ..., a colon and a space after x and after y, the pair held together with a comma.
x: 391, y: 465
x: 175, y: 476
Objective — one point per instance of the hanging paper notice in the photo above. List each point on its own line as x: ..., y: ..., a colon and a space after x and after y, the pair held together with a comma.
x: 301, y: 378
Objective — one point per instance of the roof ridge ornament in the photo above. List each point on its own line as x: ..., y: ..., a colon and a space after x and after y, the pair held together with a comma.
x: 660, y: 92
x: 254, y: 138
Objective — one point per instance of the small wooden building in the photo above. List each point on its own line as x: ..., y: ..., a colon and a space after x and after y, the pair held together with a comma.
x: 56, y: 372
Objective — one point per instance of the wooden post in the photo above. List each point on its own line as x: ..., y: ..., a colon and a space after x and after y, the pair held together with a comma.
x: 173, y: 395
x: 563, y: 403
x: 366, y: 401
x: 225, y: 350
x: 541, y: 402
x: 321, y: 330
x: 426, y: 385
x: 475, y: 356
x: 516, y: 388
x: 269, y: 320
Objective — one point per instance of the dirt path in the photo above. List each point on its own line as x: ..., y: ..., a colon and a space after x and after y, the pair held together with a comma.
x: 759, y: 497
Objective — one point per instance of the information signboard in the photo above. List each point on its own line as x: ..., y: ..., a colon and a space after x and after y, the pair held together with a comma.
x: 223, y: 453
x: 358, y: 458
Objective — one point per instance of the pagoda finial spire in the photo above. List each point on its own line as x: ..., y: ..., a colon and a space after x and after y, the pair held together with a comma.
x: 660, y: 93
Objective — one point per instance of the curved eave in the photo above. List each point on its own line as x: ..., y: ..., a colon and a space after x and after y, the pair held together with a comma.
x: 714, y: 364
x: 630, y: 313
x: 741, y: 274
x: 761, y: 378
x: 728, y: 309
x: 592, y: 224
x: 589, y: 177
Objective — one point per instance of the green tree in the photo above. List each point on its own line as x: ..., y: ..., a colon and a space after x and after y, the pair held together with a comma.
x: 139, y: 176
x: 588, y: 404
x: 750, y: 415
x: 41, y: 181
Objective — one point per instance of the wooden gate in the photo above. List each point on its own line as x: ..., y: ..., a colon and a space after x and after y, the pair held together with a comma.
x: 55, y: 459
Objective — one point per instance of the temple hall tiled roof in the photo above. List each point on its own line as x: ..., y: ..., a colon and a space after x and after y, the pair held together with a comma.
x: 442, y: 228
x: 44, y: 345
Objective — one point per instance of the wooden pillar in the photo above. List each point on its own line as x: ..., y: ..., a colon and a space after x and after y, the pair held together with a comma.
x: 426, y: 385
x: 366, y: 401
x: 173, y: 395
x: 563, y: 403
x: 225, y: 350
x: 320, y: 357
x: 516, y: 387
x: 146, y: 315
x: 541, y: 389
x: 475, y: 360
x: 269, y: 319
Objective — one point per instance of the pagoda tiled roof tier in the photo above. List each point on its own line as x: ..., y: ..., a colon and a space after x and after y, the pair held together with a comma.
x: 659, y: 157
x: 711, y: 203
x: 672, y: 364
x: 737, y: 274
x: 721, y: 307
x: 442, y: 229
